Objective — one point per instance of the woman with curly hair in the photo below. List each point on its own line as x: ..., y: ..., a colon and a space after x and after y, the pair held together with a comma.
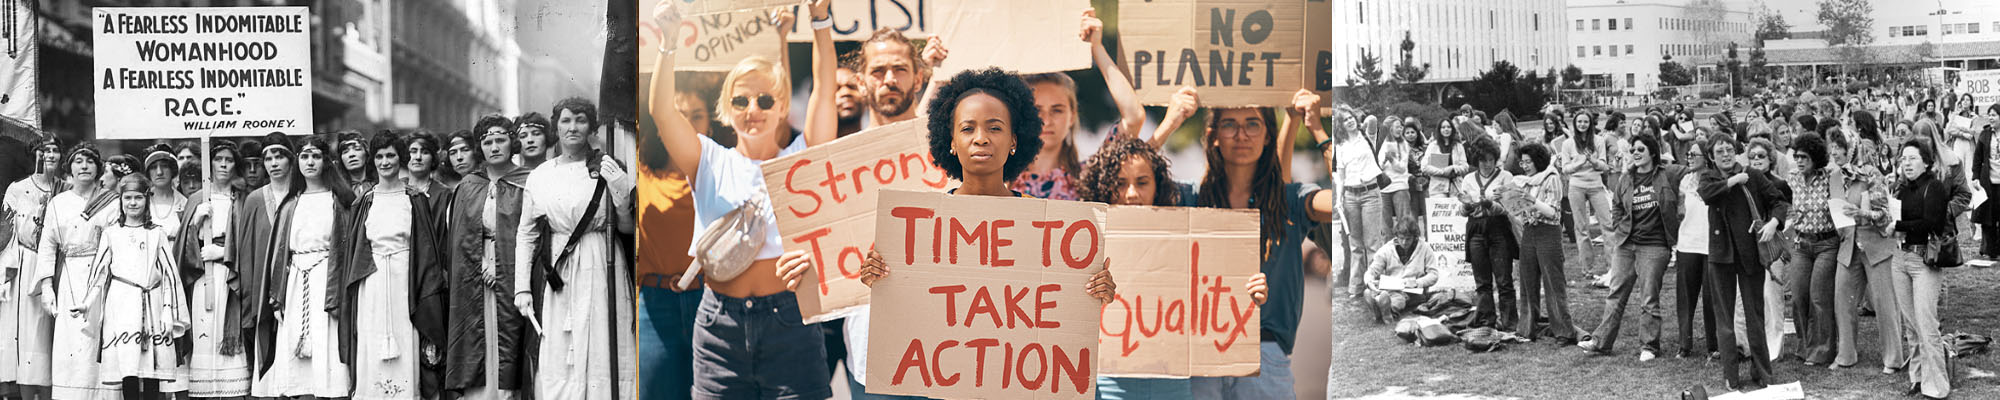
x: 1489, y: 241
x: 390, y: 289
x: 1540, y: 268
x: 68, y: 245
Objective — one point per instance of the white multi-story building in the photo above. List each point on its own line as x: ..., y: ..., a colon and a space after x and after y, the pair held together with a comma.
x: 1459, y: 39
x: 1619, y: 44
x: 1959, y: 34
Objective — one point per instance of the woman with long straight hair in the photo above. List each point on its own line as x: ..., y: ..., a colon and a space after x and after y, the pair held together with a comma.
x: 134, y: 287
x: 1361, y: 180
x: 305, y: 360
x: 252, y: 327
x: 72, y: 222
x: 389, y: 291
x: 203, y: 257
x: 1583, y: 159
x: 1056, y: 169
x: 1445, y: 160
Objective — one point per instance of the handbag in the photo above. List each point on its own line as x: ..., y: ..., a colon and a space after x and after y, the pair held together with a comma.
x: 1942, y: 250
x: 731, y: 243
x: 1482, y: 340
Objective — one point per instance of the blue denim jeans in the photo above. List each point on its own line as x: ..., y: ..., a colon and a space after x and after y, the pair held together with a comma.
x: 1109, y: 388
x: 1810, y: 279
x: 666, y: 342
x: 756, y: 348
x: 1273, y: 380
x: 1642, y: 267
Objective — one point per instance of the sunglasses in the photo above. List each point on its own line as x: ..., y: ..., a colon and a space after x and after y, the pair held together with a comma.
x: 764, y: 102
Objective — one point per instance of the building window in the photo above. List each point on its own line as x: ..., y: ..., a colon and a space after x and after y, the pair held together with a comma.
x: 1628, y: 49
x: 1948, y: 28
x: 1579, y: 52
x: 1360, y: 12
x: 1596, y: 50
x: 1492, y: 19
x: 1923, y: 30
x: 1538, y: 22
x: 1596, y: 24
x: 1895, y: 31
x: 1613, y: 24
x: 1579, y: 25
x: 1972, y: 28
x: 1629, y: 25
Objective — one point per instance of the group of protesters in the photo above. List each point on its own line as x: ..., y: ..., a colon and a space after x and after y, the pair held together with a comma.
x: 1838, y: 205
x: 339, y: 265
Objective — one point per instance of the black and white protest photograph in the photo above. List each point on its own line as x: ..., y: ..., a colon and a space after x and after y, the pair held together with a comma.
x: 317, y: 199
x: 1694, y: 199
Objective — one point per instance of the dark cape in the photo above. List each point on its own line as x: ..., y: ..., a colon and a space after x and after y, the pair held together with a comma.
x: 280, y: 262
x: 465, y: 349
x: 187, y: 251
x: 354, y: 262
x: 253, y: 232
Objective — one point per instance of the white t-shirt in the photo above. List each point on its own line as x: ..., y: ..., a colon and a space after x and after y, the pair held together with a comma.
x: 1694, y: 217
x: 725, y: 180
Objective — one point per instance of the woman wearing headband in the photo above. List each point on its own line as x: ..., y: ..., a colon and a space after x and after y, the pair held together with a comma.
x: 133, y: 287
x: 68, y: 245
x: 164, y: 204
x: 248, y: 248
x: 306, y: 353
x: 382, y: 303
x: 22, y: 320
x: 537, y: 137
x: 205, y: 223
x: 484, y: 360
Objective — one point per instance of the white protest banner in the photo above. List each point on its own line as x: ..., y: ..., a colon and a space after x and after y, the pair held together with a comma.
x: 1039, y: 36
x: 1984, y: 86
x: 824, y: 198
x: 1180, y: 310
x: 1238, y: 53
x: 856, y: 20
x: 985, y: 298
x: 20, y: 103
x: 185, y: 72
x: 1444, y: 231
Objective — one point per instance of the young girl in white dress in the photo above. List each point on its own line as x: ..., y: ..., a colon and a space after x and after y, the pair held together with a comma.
x: 134, y: 285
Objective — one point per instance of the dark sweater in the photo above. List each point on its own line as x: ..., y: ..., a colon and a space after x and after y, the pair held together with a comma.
x: 1925, y: 214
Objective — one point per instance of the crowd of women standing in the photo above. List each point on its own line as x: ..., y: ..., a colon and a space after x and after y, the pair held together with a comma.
x: 1837, y: 204
x: 340, y: 265
x: 999, y: 134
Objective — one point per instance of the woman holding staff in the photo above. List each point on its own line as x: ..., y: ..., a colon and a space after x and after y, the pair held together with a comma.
x: 213, y: 371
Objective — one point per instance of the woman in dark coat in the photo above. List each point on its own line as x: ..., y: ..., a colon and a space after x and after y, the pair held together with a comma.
x: 1743, y: 211
x: 482, y: 217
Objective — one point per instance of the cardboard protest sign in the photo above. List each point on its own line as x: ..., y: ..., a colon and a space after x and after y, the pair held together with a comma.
x: 1238, y: 53
x: 1181, y: 309
x: 186, y: 72
x: 699, y: 7
x: 1984, y: 86
x: 985, y: 298
x: 825, y: 201
x: 1023, y: 36
x: 856, y: 20
x: 1444, y: 232
x: 1319, y: 49
x: 715, y: 42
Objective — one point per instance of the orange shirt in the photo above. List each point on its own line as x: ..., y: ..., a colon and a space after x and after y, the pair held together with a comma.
x: 666, y: 226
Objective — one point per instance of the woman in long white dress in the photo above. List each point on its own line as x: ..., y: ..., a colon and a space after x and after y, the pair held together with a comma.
x: 133, y: 284
x: 205, y: 228
x: 306, y: 361
x: 69, y: 242
x: 389, y: 231
x: 576, y: 358
x: 25, y: 332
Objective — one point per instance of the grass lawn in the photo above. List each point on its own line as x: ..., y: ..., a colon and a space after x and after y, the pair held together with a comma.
x: 1368, y: 359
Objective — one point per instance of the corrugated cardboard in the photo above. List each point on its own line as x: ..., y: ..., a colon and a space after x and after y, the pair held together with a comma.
x: 699, y: 7
x: 1173, y: 43
x: 1319, y: 50
x: 910, y: 320
x: 715, y: 42
x: 1023, y: 36
x: 836, y: 228
x: 856, y: 20
x: 1168, y: 319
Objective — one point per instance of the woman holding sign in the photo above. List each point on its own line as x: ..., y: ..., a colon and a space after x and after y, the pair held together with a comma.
x: 205, y: 223
x: 72, y: 221
x: 1244, y: 172
x: 750, y: 340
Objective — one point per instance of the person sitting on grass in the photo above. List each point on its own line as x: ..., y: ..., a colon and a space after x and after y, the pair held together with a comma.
x: 1399, y: 274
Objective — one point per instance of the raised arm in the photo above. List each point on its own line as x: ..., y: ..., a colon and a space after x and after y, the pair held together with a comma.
x: 674, y: 130
x: 1185, y: 103
x: 1132, y: 116
x: 822, y: 123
